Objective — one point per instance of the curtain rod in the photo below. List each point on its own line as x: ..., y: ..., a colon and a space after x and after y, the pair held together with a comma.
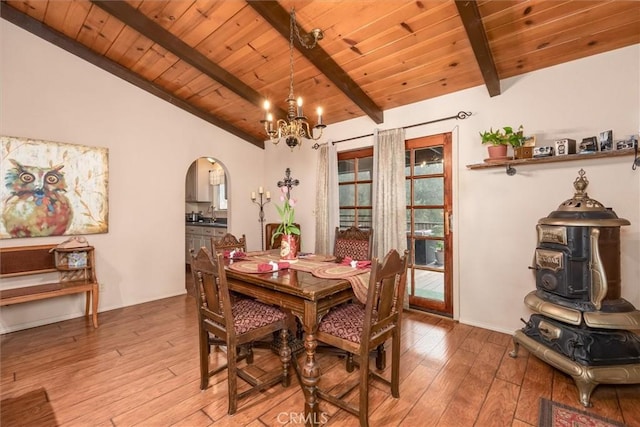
x: 461, y: 115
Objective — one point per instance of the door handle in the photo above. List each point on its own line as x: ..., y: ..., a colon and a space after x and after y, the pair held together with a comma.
x: 447, y: 222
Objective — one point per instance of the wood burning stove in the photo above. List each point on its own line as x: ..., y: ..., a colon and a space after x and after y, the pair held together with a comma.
x: 582, y: 326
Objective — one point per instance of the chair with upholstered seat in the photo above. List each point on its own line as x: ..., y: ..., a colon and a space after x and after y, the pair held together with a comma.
x: 229, y: 242
x: 354, y: 243
x: 237, y: 323
x: 358, y: 329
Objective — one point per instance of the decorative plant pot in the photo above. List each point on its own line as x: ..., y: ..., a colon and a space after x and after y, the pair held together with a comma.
x: 497, y: 151
x: 440, y: 257
x: 289, y: 247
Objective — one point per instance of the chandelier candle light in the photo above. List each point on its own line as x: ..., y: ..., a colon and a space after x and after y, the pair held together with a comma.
x: 261, y: 202
x: 296, y: 126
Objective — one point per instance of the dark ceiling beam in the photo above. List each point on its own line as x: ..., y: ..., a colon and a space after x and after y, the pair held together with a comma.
x: 131, y: 17
x: 10, y: 14
x: 279, y: 19
x: 472, y: 21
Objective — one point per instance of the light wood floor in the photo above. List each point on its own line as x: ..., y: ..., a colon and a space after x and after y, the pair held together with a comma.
x: 141, y: 368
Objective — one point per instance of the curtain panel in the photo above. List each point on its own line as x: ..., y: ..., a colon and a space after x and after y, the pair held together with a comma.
x: 389, y: 199
x: 327, y: 208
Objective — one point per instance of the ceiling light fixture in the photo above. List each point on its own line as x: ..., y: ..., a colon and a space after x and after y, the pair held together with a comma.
x: 296, y: 126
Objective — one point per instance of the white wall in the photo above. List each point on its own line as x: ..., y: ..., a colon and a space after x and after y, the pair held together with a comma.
x: 52, y: 95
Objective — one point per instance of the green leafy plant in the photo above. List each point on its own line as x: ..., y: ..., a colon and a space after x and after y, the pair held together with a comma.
x: 504, y: 136
x: 287, y: 216
x: 439, y: 246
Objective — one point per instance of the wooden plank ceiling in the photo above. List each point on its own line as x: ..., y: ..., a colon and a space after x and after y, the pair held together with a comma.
x: 220, y: 59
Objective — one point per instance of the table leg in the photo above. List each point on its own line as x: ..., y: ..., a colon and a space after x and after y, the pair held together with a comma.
x: 310, y: 377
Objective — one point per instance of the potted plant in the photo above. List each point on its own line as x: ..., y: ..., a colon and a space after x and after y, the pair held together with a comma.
x: 439, y: 252
x: 287, y: 227
x: 497, y: 141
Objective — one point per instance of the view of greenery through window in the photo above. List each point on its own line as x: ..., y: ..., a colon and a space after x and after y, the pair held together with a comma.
x: 355, y: 176
x: 425, y: 201
x: 428, y: 191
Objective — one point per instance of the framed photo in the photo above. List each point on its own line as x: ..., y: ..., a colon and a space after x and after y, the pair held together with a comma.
x: 529, y: 141
x: 606, y: 140
x: 52, y: 188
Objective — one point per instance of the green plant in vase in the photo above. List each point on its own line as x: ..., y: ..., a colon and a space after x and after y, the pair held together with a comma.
x: 287, y: 228
x: 497, y: 141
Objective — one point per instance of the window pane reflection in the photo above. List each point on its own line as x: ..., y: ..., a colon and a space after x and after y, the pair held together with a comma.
x: 347, y: 195
x: 364, y: 194
x: 346, y: 170
x: 347, y: 217
x: 428, y: 191
x: 428, y: 161
x: 365, y: 168
x: 429, y: 222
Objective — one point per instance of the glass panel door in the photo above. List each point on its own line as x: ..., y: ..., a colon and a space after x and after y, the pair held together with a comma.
x: 428, y: 189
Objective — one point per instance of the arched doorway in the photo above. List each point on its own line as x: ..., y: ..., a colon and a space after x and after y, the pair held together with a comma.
x: 206, y: 206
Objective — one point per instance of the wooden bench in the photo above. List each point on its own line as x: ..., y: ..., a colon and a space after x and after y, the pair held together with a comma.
x: 73, y: 276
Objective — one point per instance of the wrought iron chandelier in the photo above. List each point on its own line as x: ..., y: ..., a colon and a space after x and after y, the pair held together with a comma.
x: 296, y: 126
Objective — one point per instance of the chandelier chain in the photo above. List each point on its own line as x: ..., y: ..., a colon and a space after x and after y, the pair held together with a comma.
x: 302, y: 39
x: 293, y: 22
x: 294, y: 127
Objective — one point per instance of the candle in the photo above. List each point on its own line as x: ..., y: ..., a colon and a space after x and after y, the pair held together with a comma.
x: 270, y: 120
x: 260, y: 190
x: 268, y: 195
x: 319, y: 111
x: 300, y: 107
x: 253, y: 195
x: 266, y: 110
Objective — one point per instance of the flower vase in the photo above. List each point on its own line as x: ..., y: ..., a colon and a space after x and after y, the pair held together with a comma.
x: 289, y: 247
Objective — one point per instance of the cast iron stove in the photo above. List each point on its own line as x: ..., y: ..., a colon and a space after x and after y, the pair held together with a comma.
x: 582, y: 326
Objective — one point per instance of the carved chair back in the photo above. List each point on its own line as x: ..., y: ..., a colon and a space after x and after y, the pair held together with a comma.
x: 353, y: 242
x: 229, y: 242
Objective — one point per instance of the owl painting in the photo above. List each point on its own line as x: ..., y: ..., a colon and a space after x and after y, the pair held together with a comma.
x: 37, y: 204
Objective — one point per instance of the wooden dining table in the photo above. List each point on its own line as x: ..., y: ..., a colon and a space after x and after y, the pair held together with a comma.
x: 308, y: 298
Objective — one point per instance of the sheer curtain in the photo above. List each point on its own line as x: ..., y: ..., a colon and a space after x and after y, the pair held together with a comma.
x: 389, y: 200
x: 327, y: 208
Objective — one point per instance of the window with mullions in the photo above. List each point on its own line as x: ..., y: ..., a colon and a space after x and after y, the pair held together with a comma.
x: 355, y: 177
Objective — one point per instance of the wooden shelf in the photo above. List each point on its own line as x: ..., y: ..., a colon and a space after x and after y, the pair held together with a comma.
x: 552, y: 159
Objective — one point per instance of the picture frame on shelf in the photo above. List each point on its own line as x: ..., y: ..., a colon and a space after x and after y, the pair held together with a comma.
x: 529, y: 141
x: 606, y: 140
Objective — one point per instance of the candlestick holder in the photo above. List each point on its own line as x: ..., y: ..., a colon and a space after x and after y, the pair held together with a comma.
x: 261, y: 200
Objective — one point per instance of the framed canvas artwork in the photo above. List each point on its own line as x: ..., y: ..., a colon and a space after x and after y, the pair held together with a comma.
x: 52, y: 188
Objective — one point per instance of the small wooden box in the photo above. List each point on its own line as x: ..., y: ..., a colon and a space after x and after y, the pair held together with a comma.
x: 523, y: 152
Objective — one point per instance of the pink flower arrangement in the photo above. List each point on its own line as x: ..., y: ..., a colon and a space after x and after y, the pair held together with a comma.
x: 287, y: 215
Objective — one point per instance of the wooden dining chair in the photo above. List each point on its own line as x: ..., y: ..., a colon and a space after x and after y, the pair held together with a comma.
x: 269, y: 230
x: 356, y: 243
x: 238, y: 324
x: 229, y: 242
x: 353, y: 242
x: 359, y: 329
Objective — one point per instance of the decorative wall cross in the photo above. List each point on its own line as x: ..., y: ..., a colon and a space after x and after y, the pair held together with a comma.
x: 288, y: 182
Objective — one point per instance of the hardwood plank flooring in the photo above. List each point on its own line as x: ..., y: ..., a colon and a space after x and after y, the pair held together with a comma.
x: 140, y: 367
